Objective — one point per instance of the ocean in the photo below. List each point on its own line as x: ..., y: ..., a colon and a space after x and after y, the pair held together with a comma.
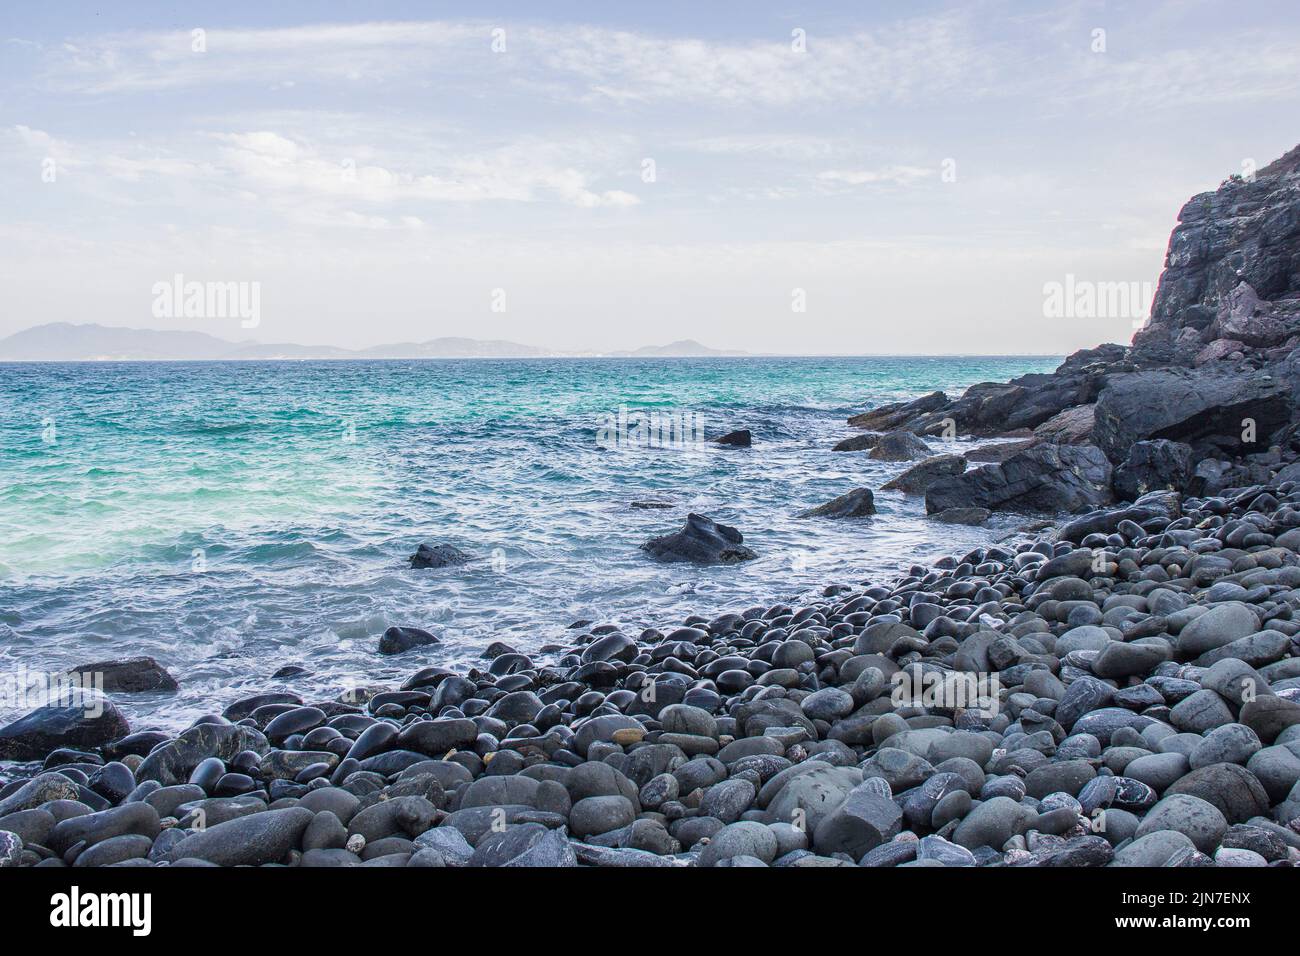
x: 230, y: 519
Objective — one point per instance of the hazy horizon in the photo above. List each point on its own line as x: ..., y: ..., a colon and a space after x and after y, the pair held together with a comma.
x: 837, y: 181
x: 548, y: 353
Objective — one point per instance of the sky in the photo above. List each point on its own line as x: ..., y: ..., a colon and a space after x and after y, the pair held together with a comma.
x: 832, y: 178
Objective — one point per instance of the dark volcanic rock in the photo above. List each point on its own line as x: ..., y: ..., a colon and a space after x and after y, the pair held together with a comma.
x: 438, y: 556
x: 999, y: 451
x: 857, y: 503
x: 130, y: 675
x: 246, y: 841
x: 736, y: 439
x: 83, y: 719
x: 173, y: 762
x: 1044, y: 478
x: 398, y: 640
x: 899, y: 446
x: 1188, y: 406
x: 1244, y: 233
x: 889, y: 417
x: 858, y: 443
x: 1152, y: 466
x: 921, y: 476
x: 701, y: 541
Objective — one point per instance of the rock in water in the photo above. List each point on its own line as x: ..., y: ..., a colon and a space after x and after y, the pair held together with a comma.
x: 888, y: 417
x: 701, y: 541
x: 131, y: 675
x: 858, y: 443
x: 921, y: 476
x: 1045, y: 478
x: 398, y: 640
x: 962, y: 515
x: 81, y: 720
x: 438, y: 556
x: 736, y: 439
x: 900, y: 446
x: 857, y: 503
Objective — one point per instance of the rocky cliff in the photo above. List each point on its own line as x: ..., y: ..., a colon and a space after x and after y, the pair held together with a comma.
x: 1204, y: 399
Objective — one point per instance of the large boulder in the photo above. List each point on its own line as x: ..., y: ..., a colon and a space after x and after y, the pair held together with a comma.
x: 1071, y: 426
x: 173, y: 762
x: 899, y: 446
x: 701, y: 541
x: 857, y: 503
x: 1212, y: 406
x: 922, y: 475
x: 1045, y: 478
x: 863, y: 442
x: 1155, y: 465
x: 399, y: 639
x: 80, y: 720
x: 892, y: 416
x: 129, y: 675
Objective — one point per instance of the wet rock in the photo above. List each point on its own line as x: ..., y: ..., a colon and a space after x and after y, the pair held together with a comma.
x: 399, y: 640
x: 84, y: 719
x: 438, y: 556
x: 701, y: 541
x: 736, y: 439
x: 899, y: 446
x: 922, y: 475
x: 1044, y: 478
x: 130, y: 675
x: 857, y: 503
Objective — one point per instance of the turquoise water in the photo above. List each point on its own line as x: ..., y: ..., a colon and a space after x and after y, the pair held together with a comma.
x: 233, y: 518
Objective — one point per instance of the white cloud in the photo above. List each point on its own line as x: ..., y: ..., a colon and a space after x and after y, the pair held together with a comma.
x: 891, y: 64
x: 299, y: 178
x: 893, y: 175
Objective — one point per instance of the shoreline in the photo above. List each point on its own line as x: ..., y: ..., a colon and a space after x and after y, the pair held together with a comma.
x: 774, y: 736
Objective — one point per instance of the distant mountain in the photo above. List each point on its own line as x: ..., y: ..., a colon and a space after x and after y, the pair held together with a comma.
x: 684, y: 348
x: 66, y: 342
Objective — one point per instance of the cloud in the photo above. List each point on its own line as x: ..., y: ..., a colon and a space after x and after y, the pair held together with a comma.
x: 893, y: 175
x: 891, y: 64
x: 300, y: 178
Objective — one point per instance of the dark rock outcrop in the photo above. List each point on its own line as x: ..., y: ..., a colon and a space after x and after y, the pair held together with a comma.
x: 130, y: 675
x: 81, y: 720
x: 1209, y: 409
x: 1045, y: 478
x: 921, y: 476
x: 857, y: 503
x: 1152, y: 466
x: 438, y: 556
x: 1216, y: 368
x: 892, y: 416
x: 701, y: 541
x: 863, y: 442
x: 899, y: 446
